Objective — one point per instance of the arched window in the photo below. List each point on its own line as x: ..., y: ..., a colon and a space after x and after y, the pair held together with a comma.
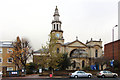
x: 54, y: 26
x: 96, y: 53
x: 57, y: 26
x: 83, y: 64
x: 57, y: 50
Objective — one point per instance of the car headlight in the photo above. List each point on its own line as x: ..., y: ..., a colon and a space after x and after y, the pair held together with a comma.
x: 90, y: 74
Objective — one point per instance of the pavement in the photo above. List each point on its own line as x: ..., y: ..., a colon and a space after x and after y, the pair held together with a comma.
x: 35, y: 76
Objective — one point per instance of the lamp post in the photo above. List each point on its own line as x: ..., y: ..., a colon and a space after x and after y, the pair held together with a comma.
x: 113, y: 40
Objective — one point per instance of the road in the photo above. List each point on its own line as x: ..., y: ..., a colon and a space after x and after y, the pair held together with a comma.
x: 37, y: 77
x: 63, y: 79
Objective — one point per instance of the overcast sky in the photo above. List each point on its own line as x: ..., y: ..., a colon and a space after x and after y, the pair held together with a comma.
x: 32, y: 19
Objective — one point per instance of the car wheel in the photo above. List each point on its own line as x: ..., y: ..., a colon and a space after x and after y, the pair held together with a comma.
x: 76, y: 76
x: 103, y: 76
x: 98, y: 76
x: 89, y: 76
x: 114, y: 76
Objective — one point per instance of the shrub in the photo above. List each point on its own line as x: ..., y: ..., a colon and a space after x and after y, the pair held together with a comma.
x: 87, y: 68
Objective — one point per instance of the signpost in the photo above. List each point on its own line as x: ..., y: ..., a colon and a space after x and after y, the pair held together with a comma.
x: 111, y: 63
x: 40, y: 70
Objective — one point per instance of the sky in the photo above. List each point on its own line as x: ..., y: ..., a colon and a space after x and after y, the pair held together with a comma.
x: 32, y: 19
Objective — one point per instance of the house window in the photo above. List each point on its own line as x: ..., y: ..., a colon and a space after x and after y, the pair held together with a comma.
x: 57, y: 50
x: 0, y: 50
x: 0, y: 60
x: 9, y: 68
x: 10, y: 60
x: 96, y: 53
x: 9, y: 51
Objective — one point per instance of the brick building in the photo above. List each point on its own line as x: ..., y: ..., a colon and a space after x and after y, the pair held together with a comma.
x: 108, y: 50
x: 5, y: 60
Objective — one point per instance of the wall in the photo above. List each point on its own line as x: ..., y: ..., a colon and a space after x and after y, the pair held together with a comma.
x: 5, y: 56
x: 108, y: 50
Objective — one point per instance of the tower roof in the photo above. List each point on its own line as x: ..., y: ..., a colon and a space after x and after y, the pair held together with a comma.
x: 56, y: 8
x: 56, y: 13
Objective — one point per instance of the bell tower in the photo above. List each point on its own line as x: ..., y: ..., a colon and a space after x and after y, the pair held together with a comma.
x: 56, y: 27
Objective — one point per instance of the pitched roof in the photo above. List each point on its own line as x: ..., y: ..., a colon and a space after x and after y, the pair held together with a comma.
x: 69, y: 43
x: 6, y: 44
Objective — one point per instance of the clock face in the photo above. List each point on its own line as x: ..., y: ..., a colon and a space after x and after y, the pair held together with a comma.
x: 57, y: 35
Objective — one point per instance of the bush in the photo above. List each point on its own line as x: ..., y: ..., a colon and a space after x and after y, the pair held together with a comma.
x: 88, y: 68
x: 116, y: 69
x: 31, y: 68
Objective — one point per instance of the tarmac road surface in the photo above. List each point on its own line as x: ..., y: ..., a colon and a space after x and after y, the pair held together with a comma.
x: 62, y: 79
x: 37, y: 77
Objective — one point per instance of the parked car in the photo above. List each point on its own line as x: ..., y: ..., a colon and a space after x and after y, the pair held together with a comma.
x: 1, y: 74
x: 107, y: 74
x: 77, y: 74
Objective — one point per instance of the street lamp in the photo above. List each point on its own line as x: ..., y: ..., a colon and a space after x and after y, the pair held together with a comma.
x: 113, y: 40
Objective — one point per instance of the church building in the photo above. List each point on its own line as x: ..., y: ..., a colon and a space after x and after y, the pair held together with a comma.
x: 81, y: 54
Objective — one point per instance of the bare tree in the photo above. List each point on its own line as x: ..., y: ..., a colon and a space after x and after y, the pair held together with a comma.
x: 21, y: 52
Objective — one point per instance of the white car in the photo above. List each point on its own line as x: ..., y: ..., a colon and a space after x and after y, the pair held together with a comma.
x: 77, y: 74
x: 107, y: 74
x: 1, y: 74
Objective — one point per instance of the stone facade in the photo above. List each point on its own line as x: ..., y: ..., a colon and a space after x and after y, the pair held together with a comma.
x: 92, y: 49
